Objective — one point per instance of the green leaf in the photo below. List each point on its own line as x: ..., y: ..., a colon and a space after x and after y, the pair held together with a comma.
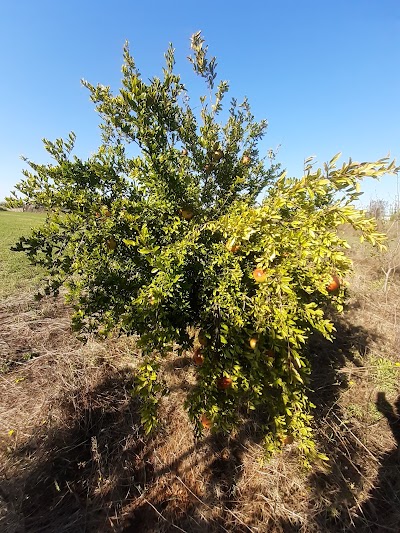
x: 129, y: 242
x: 146, y: 251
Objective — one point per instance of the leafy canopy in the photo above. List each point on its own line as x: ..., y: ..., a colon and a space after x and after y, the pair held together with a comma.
x: 160, y: 234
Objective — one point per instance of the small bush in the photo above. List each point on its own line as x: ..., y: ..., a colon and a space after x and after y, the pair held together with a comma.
x: 173, y: 245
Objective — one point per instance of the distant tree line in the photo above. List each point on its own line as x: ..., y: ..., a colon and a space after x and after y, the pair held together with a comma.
x: 382, y: 210
x: 20, y: 205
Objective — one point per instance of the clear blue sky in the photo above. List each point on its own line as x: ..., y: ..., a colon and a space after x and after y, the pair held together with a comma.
x: 326, y: 74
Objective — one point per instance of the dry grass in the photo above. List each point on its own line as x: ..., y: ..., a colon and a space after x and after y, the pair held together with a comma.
x: 74, y: 459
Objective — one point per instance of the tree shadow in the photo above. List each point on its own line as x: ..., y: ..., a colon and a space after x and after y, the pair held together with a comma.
x: 381, y: 510
x: 73, y: 475
x: 335, y: 488
x: 328, y: 358
x: 93, y: 470
x: 194, y: 513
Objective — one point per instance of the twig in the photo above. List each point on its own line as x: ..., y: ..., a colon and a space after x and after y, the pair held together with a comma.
x: 208, y: 507
x: 356, y: 438
x: 163, y: 517
x: 288, y: 511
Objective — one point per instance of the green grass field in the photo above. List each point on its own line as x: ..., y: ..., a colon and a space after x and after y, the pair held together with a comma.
x: 16, y: 273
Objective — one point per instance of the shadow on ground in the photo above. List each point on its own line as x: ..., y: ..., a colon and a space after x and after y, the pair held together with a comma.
x: 350, y: 461
x: 73, y: 475
x: 92, y: 472
x: 381, y: 510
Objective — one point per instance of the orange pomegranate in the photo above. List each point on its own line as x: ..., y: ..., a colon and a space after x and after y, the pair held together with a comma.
x: 224, y: 383
x: 231, y: 246
x: 187, y: 214
x: 288, y: 439
x: 334, y: 284
x: 205, y: 421
x: 198, y: 357
x: 259, y: 275
x: 253, y: 343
